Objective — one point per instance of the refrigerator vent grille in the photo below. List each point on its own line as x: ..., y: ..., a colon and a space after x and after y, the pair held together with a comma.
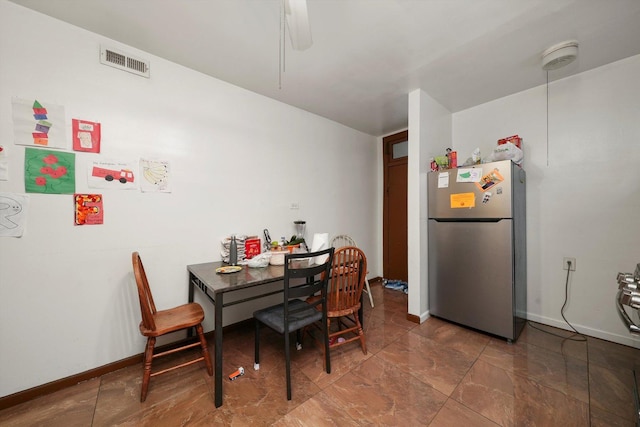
x: 123, y: 61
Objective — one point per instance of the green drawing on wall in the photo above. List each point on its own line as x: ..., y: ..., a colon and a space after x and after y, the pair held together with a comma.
x: 50, y: 172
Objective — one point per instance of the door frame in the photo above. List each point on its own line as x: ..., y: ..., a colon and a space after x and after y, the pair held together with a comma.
x: 387, y: 151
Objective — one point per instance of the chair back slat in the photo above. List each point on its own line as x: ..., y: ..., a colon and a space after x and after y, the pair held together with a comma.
x: 347, y: 278
x: 147, y: 306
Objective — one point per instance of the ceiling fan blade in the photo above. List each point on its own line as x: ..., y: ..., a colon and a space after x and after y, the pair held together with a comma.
x: 297, y: 18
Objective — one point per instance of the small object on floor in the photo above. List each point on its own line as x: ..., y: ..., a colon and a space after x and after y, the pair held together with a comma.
x: 396, y: 285
x: 333, y: 340
x: 237, y: 374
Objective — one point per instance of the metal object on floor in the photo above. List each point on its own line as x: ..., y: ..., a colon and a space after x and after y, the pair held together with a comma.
x: 629, y: 296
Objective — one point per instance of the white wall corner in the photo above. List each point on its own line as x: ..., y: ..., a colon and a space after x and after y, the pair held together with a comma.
x: 429, y: 135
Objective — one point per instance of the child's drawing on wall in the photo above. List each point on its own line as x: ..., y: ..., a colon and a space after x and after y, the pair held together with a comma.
x: 13, y: 214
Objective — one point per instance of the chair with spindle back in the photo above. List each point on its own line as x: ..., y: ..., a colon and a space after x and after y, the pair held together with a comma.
x: 346, y: 284
x: 160, y: 322
x: 342, y: 240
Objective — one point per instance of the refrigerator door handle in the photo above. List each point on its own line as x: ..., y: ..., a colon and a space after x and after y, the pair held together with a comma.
x: 467, y: 219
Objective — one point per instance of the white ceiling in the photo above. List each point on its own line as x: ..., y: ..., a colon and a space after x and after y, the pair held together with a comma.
x: 368, y: 54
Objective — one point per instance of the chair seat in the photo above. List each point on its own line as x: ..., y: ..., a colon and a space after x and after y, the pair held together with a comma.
x: 175, y: 319
x: 303, y: 315
x: 336, y: 311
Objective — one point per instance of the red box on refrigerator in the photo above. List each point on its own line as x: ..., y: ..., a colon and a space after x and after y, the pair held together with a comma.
x: 514, y: 139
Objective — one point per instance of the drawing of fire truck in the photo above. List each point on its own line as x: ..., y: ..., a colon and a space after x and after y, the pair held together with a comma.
x: 123, y: 175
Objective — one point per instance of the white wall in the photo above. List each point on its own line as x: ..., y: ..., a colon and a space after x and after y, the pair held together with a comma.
x: 67, y: 297
x: 429, y: 135
x: 583, y: 194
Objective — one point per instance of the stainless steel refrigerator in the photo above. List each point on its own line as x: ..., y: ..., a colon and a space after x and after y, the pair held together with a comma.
x: 477, y: 247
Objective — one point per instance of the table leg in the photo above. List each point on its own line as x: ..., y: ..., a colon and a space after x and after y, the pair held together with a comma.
x: 218, y: 350
x: 191, y: 288
x: 191, y: 297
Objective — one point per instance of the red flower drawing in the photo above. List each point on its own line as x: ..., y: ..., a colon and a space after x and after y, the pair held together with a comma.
x: 60, y: 171
x: 50, y: 159
x: 41, y: 180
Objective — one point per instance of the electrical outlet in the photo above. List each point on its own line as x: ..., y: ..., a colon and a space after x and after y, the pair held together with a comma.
x: 565, y: 263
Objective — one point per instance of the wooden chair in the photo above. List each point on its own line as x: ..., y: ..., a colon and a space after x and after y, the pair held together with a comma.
x: 294, y: 314
x: 156, y: 323
x: 344, y: 295
x: 342, y: 240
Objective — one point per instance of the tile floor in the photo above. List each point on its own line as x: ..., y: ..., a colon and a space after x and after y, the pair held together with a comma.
x: 433, y: 374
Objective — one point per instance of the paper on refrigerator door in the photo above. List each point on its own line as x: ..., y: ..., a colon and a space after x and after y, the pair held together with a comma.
x: 443, y: 180
x: 463, y: 200
x: 469, y: 175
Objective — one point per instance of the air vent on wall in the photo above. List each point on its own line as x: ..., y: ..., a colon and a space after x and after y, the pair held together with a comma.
x: 124, y: 61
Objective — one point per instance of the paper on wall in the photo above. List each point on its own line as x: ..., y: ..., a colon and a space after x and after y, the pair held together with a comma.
x: 13, y: 214
x: 4, y: 164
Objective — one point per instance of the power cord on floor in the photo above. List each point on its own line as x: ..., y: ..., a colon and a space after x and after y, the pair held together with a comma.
x: 576, y: 336
x: 566, y: 299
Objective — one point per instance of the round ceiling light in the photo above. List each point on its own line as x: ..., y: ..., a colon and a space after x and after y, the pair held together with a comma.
x: 559, y: 55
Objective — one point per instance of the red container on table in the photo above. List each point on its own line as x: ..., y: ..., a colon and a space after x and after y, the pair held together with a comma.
x: 252, y: 247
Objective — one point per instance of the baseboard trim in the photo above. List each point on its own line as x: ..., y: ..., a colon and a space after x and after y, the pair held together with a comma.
x: 628, y: 340
x: 413, y: 318
x: 57, y: 385
x: 53, y: 386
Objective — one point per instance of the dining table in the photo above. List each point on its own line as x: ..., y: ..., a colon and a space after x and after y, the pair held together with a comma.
x: 218, y: 286
x: 215, y: 286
